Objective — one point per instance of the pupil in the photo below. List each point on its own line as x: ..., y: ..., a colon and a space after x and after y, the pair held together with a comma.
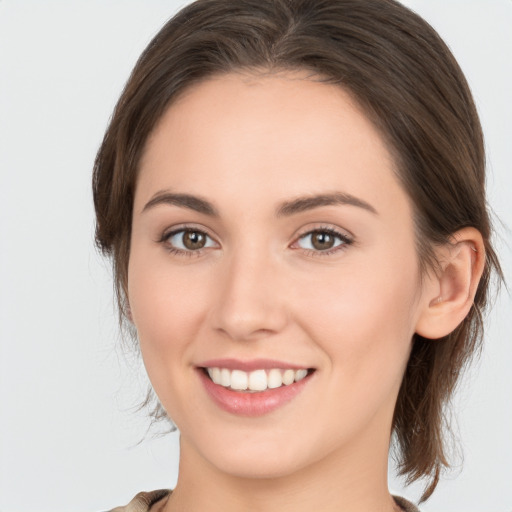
x: 322, y: 241
x: 193, y: 240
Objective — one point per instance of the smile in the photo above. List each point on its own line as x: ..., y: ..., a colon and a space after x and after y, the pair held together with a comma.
x: 253, y: 388
x: 256, y: 380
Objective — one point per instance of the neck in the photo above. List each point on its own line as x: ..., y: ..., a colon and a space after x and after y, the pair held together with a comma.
x: 352, y: 482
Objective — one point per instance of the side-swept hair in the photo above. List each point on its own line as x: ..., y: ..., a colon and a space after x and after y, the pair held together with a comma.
x: 409, y: 85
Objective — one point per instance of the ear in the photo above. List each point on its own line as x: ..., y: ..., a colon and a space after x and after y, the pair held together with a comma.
x: 450, y: 290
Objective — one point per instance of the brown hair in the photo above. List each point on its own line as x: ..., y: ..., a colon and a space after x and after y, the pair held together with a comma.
x: 410, y: 86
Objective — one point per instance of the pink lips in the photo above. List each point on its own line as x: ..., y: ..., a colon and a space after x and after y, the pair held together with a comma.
x: 253, y: 403
x: 248, y: 366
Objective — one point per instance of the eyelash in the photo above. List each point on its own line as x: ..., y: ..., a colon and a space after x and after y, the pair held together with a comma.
x: 345, y: 241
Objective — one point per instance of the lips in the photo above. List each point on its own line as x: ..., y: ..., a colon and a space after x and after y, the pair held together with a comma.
x: 252, y: 388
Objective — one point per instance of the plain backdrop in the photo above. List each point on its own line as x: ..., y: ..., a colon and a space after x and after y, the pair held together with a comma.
x: 69, y: 433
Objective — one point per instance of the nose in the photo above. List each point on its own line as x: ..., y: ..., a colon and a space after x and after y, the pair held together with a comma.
x: 251, y: 299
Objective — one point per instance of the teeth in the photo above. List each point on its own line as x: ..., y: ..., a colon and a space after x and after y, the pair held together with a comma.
x: 300, y: 374
x: 225, y: 378
x: 288, y: 377
x: 274, y: 378
x: 257, y: 380
x: 215, y: 375
x: 239, y: 380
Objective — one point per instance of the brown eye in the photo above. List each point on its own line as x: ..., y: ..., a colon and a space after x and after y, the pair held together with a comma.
x: 187, y: 240
x: 322, y: 240
x: 194, y: 240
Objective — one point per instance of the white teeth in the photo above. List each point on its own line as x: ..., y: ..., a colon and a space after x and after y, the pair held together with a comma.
x: 274, y: 378
x: 225, y: 377
x: 288, y: 377
x: 214, y: 374
x: 300, y: 374
x: 239, y: 380
x: 257, y: 380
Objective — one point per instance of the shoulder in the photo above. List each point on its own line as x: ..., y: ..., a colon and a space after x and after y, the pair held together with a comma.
x: 143, y: 501
x: 405, y: 505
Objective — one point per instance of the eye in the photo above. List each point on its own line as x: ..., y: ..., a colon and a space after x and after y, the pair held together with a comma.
x: 188, y: 240
x: 323, y: 240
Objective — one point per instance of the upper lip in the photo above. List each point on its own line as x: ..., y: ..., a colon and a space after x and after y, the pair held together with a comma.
x: 250, y: 365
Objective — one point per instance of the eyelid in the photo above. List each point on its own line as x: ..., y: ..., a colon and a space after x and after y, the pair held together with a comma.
x: 343, y: 233
x: 184, y: 227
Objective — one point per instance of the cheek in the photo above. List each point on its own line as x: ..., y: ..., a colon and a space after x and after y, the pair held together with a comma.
x: 364, y: 318
x: 166, y: 308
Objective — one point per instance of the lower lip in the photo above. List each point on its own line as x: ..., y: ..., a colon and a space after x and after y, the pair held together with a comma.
x: 251, y: 403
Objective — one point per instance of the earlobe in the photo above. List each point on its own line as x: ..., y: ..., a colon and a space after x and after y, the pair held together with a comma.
x: 450, y: 293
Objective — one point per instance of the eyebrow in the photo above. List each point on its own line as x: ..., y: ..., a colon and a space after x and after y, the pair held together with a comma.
x: 303, y: 204
x: 184, y: 201
x: 286, y: 209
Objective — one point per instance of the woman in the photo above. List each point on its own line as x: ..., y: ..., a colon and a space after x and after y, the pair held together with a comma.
x: 292, y: 193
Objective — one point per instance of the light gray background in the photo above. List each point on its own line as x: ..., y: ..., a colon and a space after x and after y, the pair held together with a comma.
x: 68, y: 435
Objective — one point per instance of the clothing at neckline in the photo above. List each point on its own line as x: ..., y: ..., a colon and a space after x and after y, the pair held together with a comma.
x: 144, y: 501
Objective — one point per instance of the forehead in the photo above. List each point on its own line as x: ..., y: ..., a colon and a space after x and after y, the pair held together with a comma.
x: 272, y: 135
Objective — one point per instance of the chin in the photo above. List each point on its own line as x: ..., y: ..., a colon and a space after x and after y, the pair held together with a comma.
x: 259, y: 460
x: 258, y: 468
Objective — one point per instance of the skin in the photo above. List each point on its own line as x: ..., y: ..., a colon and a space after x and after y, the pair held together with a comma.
x: 259, y: 289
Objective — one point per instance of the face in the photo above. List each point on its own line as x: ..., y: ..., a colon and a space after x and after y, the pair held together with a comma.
x: 273, y: 277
